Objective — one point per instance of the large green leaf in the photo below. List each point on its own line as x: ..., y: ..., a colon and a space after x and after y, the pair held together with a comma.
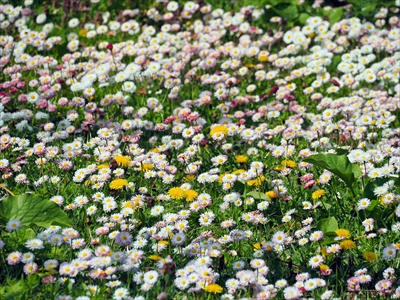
x: 338, y: 165
x: 327, y: 225
x: 289, y: 12
x: 274, y: 3
x: 368, y: 8
x: 303, y: 17
x: 334, y: 15
x: 258, y: 196
x: 33, y: 209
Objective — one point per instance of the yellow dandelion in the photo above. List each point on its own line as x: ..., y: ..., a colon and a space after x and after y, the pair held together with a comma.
x: 83, y: 32
x: 323, y: 267
x: 155, y: 257
x: 369, y: 256
x: 127, y: 204
x: 343, y: 233
x: 256, y: 182
x: 191, y: 195
x: 221, y: 176
x: 347, y: 245
x: 118, y: 184
x: 103, y: 166
x: 241, y: 158
x: 271, y: 194
x: 324, y: 252
x: 190, y: 177
x: 176, y: 193
x: 238, y: 171
x: 288, y: 164
x: 122, y: 161
x: 219, y: 129
x: 213, y: 288
x: 318, y: 194
x: 257, y: 246
x: 146, y: 167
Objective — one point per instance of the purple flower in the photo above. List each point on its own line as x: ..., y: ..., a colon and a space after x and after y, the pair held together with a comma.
x: 123, y: 238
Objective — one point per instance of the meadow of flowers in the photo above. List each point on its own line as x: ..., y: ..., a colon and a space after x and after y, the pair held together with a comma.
x: 186, y: 151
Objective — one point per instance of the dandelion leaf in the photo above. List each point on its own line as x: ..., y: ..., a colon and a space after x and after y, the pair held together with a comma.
x: 32, y: 209
x: 338, y: 165
x: 258, y: 196
x: 327, y: 225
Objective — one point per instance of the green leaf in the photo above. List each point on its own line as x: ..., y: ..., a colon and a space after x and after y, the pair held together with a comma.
x: 335, y: 62
x: 341, y: 151
x: 335, y: 15
x: 275, y: 3
x: 258, y: 195
x: 33, y: 281
x: 32, y: 209
x: 366, y: 10
x: 326, y: 205
x: 327, y: 242
x: 338, y: 165
x: 14, y: 290
x: 289, y: 12
x: 303, y: 18
x: 372, y: 205
x: 238, y: 187
x: 370, y: 187
x: 327, y: 225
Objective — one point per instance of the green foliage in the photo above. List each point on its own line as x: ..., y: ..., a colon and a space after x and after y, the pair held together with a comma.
x: 334, y: 15
x: 370, y: 187
x: 367, y: 8
x: 288, y: 11
x: 14, y: 290
x: 327, y: 225
x: 32, y: 209
x: 338, y: 165
x: 258, y: 196
x: 303, y: 17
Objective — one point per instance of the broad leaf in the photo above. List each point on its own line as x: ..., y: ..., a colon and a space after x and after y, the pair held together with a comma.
x: 289, y: 12
x: 327, y: 225
x: 327, y: 241
x: 372, y: 205
x: 335, y: 15
x: 303, y: 18
x: 341, y: 151
x: 338, y: 165
x: 238, y: 187
x: 258, y: 195
x: 33, y: 209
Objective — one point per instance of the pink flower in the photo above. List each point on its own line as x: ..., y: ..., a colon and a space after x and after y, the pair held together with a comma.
x: 30, y: 268
x: 309, y: 184
x: 102, y: 230
x: 14, y: 258
x: 49, y: 279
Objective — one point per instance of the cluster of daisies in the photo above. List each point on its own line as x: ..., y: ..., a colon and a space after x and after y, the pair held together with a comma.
x: 180, y: 152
